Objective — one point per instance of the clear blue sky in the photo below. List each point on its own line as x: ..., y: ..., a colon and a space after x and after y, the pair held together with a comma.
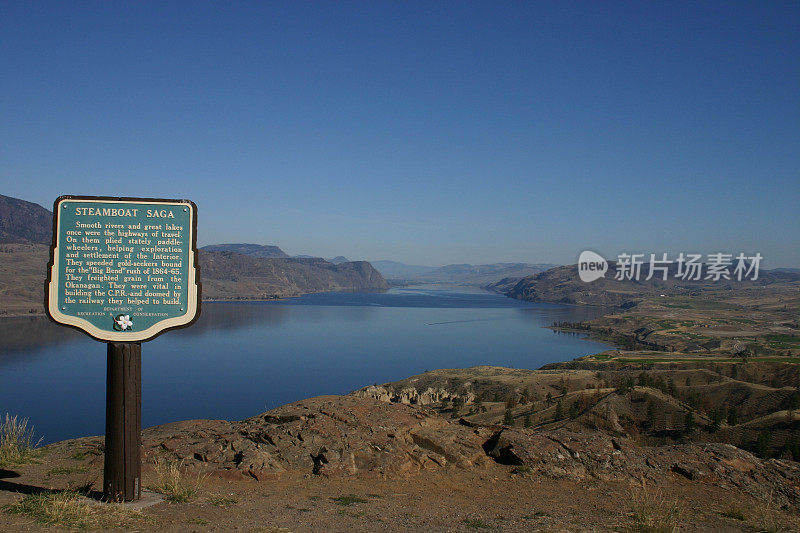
x: 429, y: 133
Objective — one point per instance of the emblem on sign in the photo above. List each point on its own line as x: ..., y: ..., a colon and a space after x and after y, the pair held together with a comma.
x: 122, y: 323
x: 123, y: 269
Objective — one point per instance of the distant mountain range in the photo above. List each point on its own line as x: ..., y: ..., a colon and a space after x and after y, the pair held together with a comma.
x: 562, y: 285
x: 459, y: 273
x: 267, y: 251
x: 227, y: 271
x: 255, y: 250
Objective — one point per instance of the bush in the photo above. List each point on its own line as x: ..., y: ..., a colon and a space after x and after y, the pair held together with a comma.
x: 559, y: 414
x: 688, y: 422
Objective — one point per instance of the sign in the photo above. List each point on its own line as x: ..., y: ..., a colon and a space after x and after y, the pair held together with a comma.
x: 123, y: 269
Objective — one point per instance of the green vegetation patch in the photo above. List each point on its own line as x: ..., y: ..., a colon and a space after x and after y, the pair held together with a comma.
x: 735, y: 513
x: 222, y: 501
x: 78, y: 455
x: 783, y: 338
x: 69, y: 509
x: 476, y: 523
x: 348, y: 500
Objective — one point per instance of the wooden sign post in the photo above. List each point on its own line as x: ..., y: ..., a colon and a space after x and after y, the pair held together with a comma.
x: 123, y: 270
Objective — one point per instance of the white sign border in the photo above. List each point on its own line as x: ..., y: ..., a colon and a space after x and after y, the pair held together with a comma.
x: 53, y: 282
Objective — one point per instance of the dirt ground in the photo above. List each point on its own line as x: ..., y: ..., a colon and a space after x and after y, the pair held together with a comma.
x: 496, y: 498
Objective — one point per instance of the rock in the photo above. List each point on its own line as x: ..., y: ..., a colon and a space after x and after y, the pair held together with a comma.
x: 342, y: 436
x: 330, y: 436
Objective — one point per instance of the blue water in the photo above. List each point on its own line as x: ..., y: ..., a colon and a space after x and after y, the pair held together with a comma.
x: 240, y: 359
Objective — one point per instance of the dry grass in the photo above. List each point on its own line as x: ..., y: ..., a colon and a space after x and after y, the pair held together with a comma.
x: 768, y: 519
x: 652, y: 513
x: 69, y: 509
x: 16, y: 442
x: 177, y: 485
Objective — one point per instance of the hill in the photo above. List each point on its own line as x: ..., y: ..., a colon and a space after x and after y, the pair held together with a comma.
x: 400, y: 271
x: 224, y: 275
x: 22, y: 272
x: 562, y: 285
x: 255, y: 250
x: 228, y: 275
x: 24, y: 222
x: 361, y: 463
x: 481, y: 275
x: 648, y: 402
x: 740, y: 318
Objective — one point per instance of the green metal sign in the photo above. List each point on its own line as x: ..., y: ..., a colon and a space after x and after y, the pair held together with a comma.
x: 123, y: 269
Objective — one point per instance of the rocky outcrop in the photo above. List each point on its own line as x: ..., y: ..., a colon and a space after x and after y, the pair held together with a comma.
x: 327, y: 435
x: 411, y: 396
x: 577, y: 456
x: 341, y: 436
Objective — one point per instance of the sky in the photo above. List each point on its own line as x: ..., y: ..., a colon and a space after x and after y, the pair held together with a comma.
x: 423, y: 132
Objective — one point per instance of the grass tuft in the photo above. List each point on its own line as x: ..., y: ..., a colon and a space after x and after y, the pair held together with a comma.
x: 69, y: 509
x: 476, y: 523
x: 350, y: 499
x: 735, y: 513
x: 652, y: 513
x: 78, y: 455
x: 174, y: 483
x: 16, y: 442
x: 222, y: 501
x: 66, y: 470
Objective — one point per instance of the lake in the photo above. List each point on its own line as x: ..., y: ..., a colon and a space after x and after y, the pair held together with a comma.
x: 240, y: 359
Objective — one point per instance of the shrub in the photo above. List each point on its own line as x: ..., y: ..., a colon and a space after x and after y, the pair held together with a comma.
x: 559, y: 414
x: 688, y: 422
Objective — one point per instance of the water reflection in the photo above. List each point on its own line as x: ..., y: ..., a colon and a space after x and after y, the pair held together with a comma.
x: 230, y: 316
x: 18, y: 335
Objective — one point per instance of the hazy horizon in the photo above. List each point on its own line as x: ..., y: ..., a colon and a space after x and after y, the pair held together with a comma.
x: 429, y: 134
